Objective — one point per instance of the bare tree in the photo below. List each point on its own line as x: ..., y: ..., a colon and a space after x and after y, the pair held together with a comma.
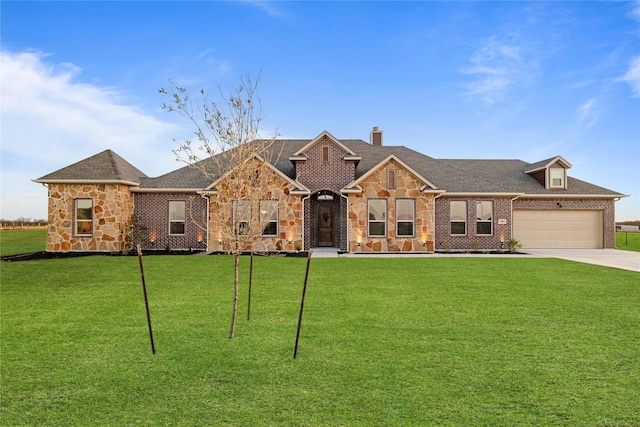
x: 246, y: 191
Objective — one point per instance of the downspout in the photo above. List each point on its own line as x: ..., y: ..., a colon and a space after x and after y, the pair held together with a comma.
x: 435, y: 240
x: 208, y: 219
x: 511, y: 214
x: 347, y: 219
x: 303, y: 217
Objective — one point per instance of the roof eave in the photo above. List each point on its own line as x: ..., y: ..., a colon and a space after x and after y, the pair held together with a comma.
x: 482, y: 194
x: 85, y: 181
x: 165, y: 190
x: 573, y: 196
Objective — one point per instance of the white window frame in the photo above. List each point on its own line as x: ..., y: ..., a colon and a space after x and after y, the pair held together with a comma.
x: 562, y: 172
x: 177, y: 220
x: 412, y: 221
x: 79, y: 221
x: 457, y: 220
x: 271, y: 210
x: 484, y: 221
x: 241, y: 219
x: 382, y: 221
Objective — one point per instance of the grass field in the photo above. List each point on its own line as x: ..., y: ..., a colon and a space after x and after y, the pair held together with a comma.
x: 14, y: 242
x: 628, y: 241
x: 385, y: 342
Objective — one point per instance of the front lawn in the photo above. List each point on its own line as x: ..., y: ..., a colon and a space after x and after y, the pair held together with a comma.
x: 387, y: 342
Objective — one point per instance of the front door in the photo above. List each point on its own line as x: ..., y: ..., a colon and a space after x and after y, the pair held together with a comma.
x: 325, y: 224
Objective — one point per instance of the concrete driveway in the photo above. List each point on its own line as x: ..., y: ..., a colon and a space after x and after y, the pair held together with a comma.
x: 625, y: 260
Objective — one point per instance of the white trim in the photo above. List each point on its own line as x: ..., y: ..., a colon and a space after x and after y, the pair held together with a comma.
x: 464, y: 194
x: 318, y: 138
x: 86, y: 181
x: 570, y: 196
x: 559, y: 159
x: 167, y: 190
x: 385, y: 161
x: 278, y: 172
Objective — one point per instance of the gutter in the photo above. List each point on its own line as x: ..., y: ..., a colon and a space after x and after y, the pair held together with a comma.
x: 86, y: 181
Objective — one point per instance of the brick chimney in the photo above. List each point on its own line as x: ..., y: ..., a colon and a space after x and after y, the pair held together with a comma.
x: 376, y: 136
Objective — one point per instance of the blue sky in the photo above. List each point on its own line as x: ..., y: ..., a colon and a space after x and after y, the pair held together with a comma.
x: 504, y: 80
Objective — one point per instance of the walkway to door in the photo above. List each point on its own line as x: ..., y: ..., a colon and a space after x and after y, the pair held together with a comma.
x: 324, y: 252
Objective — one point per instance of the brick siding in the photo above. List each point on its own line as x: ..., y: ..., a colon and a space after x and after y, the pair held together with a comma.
x: 501, y: 232
x: 153, y: 211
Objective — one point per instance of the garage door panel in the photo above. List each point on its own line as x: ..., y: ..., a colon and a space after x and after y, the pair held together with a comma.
x: 558, y: 228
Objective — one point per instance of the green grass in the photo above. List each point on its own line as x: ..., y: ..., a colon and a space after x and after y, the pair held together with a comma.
x: 628, y: 241
x: 423, y: 341
x: 14, y: 242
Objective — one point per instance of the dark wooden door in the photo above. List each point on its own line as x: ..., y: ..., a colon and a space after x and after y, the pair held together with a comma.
x: 325, y: 224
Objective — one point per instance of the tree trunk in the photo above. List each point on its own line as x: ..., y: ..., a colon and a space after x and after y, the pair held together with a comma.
x: 236, y: 268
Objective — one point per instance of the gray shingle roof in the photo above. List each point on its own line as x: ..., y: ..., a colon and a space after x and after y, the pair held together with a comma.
x: 511, y: 174
x: 450, y: 175
x: 106, y: 166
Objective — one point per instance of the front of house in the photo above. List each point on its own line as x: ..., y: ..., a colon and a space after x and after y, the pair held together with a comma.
x: 352, y: 195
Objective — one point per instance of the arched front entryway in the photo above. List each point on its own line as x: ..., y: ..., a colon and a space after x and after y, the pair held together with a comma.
x: 326, y: 217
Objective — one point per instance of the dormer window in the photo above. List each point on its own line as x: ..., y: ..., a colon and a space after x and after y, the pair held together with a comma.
x: 551, y: 173
x: 557, y: 177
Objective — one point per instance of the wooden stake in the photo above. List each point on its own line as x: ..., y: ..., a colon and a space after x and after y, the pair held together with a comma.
x: 146, y: 301
x: 250, y: 280
x: 304, y: 294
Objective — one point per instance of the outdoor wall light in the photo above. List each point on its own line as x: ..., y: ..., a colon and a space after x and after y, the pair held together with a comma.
x: 152, y: 237
x: 200, y: 238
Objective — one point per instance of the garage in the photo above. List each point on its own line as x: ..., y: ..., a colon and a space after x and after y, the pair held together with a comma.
x: 558, y: 228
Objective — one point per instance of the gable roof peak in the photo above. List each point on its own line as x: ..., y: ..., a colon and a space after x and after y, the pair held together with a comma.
x: 544, y: 164
x: 105, y: 167
x: 322, y: 135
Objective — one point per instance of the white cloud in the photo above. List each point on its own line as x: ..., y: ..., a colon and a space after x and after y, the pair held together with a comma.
x: 635, y: 12
x: 51, y: 119
x: 496, y: 66
x: 633, y: 76
x: 588, y: 113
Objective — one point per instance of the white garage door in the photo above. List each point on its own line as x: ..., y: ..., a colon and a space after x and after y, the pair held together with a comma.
x: 558, y: 228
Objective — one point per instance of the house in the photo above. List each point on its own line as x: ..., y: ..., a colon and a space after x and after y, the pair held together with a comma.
x: 349, y: 194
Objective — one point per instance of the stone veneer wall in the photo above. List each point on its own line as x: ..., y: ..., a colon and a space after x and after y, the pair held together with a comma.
x: 501, y: 232
x: 408, y: 187
x: 290, y: 221
x: 153, y: 211
x: 607, y: 206
x: 112, y: 210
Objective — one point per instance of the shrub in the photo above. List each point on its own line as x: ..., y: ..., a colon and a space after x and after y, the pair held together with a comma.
x: 514, y: 245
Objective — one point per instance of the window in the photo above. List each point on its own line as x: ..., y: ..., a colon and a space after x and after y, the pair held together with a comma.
x: 176, y: 217
x: 84, y: 217
x: 269, y: 217
x: 458, y: 217
x: 557, y: 178
x: 391, y: 179
x: 484, y: 217
x: 325, y: 195
x: 325, y: 154
x: 377, y: 218
x: 405, y: 217
x: 241, y: 215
